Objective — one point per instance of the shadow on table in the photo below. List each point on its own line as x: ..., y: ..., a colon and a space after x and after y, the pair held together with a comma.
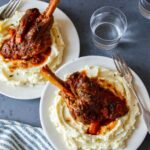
x: 145, y: 144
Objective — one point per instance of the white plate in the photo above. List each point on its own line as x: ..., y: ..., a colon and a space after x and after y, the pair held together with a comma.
x: 72, y: 50
x: 47, y: 99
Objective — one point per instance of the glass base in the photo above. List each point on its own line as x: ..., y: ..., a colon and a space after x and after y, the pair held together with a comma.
x: 145, y: 13
x: 104, y: 47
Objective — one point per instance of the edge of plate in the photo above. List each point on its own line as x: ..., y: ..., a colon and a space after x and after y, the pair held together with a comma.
x: 77, y: 55
x: 44, y: 90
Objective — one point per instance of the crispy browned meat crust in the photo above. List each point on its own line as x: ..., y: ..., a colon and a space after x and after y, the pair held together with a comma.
x: 89, y: 102
x: 32, y: 36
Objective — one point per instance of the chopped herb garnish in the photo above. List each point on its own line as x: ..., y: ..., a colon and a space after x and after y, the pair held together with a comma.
x: 10, y: 76
x: 111, y: 107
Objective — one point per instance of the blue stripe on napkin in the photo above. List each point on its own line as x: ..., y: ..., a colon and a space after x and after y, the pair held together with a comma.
x: 17, y: 136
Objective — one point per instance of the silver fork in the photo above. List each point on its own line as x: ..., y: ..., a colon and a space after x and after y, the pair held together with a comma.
x: 9, y: 9
x: 126, y: 73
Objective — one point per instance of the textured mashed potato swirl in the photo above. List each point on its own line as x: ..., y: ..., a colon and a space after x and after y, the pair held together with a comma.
x: 29, y: 76
x: 112, y: 136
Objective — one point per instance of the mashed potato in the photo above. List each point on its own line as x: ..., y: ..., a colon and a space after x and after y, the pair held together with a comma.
x: 112, y: 136
x: 28, y: 76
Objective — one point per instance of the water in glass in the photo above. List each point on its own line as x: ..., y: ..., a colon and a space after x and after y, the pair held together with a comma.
x: 107, y: 26
x: 144, y: 7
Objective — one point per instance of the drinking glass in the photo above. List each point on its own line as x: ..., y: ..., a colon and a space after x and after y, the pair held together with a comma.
x: 108, y: 24
x: 144, y: 7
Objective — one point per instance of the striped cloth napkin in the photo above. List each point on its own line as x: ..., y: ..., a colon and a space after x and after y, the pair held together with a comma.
x: 17, y: 136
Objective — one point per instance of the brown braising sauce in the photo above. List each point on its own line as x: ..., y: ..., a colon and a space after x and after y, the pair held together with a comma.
x: 28, y: 63
x: 94, y: 104
x: 111, y: 108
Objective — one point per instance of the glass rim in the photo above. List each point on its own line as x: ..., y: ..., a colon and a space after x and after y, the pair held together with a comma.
x: 148, y: 3
x: 116, y: 9
x: 141, y: 7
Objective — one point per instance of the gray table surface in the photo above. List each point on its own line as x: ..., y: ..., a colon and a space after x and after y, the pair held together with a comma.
x: 135, y: 47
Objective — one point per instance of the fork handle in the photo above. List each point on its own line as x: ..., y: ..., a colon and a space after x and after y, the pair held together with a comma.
x: 145, y: 112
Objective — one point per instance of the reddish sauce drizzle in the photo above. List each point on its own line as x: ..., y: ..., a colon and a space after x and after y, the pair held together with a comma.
x: 112, y: 107
x: 94, y: 103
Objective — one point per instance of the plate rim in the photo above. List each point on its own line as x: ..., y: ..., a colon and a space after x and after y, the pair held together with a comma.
x: 48, y: 84
x: 28, y: 98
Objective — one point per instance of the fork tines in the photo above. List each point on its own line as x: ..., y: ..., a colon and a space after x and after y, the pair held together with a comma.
x: 120, y: 64
x: 10, y: 8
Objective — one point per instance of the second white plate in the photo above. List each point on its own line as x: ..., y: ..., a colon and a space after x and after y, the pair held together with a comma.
x: 47, y: 99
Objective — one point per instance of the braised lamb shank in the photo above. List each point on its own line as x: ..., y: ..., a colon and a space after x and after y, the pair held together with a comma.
x: 87, y: 101
x: 32, y: 36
